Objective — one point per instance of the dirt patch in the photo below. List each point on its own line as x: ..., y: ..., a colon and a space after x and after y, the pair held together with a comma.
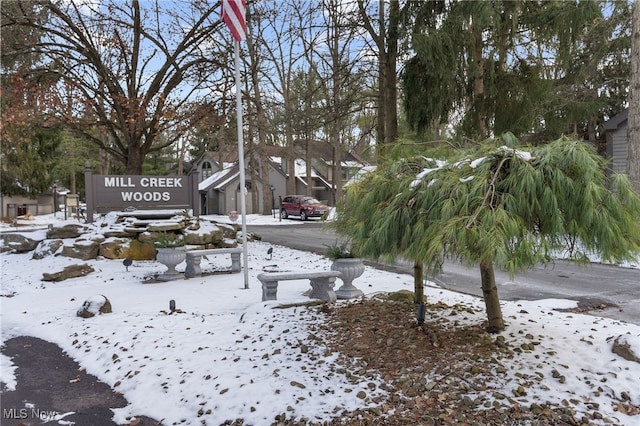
x: 443, y: 372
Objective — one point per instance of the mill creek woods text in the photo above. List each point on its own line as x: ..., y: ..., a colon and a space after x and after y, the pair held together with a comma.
x: 150, y: 185
x: 138, y: 192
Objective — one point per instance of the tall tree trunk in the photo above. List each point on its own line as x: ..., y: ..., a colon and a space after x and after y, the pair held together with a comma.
x: 337, y: 164
x: 478, y: 81
x: 382, y: 81
x: 386, y: 40
x: 491, y: 299
x: 291, y: 162
x: 391, y: 76
x: 308, y: 171
x: 72, y: 182
x: 135, y: 158
x: 261, y: 123
x: 633, y: 123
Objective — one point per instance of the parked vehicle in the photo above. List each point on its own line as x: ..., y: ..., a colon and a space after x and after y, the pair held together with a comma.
x: 303, y: 206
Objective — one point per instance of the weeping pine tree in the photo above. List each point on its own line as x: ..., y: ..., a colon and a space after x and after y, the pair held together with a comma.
x: 501, y: 205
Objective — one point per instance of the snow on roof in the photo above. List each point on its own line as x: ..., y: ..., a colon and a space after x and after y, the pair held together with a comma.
x: 220, y: 179
x: 301, y: 169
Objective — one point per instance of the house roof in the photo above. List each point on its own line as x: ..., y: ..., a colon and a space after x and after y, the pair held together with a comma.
x: 322, y: 150
x: 219, y: 179
x: 617, y: 120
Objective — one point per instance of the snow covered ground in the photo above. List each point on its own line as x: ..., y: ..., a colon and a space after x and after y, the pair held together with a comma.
x: 225, y: 354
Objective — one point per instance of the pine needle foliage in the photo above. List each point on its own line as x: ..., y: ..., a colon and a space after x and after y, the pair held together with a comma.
x: 498, y: 204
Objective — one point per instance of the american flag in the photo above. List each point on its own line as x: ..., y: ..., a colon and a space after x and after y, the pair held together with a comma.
x: 233, y: 14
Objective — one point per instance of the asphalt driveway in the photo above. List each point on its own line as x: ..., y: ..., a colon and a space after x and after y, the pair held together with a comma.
x: 51, y: 387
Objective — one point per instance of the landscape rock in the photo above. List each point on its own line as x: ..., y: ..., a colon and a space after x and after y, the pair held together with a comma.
x: 72, y: 271
x: 122, y: 232
x: 401, y: 296
x: 46, y: 248
x: 93, y: 306
x: 117, y: 241
x: 622, y: 347
x: 139, y: 250
x: 69, y: 230
x: 83, y: 249
x: 20, y: 243
x: 166, y: 226
x: 229, y: 231
x: 208, y: 233
x: 115, y: 248
x: 228, y: 243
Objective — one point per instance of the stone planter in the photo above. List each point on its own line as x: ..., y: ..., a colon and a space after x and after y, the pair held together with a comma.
x: 350, y: 268
x: 171, y: 257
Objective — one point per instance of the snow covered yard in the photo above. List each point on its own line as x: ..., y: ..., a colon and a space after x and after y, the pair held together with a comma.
x: 224, y: 355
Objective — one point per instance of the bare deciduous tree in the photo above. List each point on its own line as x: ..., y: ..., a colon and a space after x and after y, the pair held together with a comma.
x: 384, y: 32
x: 132, y: 70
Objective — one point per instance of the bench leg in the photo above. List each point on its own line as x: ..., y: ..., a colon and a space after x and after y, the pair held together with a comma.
x: 269, y: 290
x: 322, y: 288
x: 193, y: 266
x: 235, y: 262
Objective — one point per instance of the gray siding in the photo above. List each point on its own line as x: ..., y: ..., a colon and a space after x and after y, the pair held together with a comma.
x: 619, y: 150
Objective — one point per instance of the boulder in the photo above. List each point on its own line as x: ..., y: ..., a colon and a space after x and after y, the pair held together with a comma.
x: 166, y: 226
x: 139, y: 250
x: 93, y: 306
x: 46, y: 248
x: 623, y: 347
x: 69, y: 230
x: 72, y: 271
x: 229, y: 231
x: 122, y: 233
x: 21, y: 243
x: 229, y: 243
x: 115, y: 248
x: 207, y: 233
x: 82, y: 249
x: 402, y: 296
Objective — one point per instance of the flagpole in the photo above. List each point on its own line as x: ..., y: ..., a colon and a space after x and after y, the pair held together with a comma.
x: 243, y: 188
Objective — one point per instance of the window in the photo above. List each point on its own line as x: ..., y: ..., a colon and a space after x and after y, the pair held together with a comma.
x: 206, y: 171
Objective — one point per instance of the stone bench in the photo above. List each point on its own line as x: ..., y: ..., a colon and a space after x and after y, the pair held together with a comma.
x: 194, y: 257
x: 322, y: 283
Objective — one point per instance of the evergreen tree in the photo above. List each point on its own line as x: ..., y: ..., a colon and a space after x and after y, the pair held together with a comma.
x: 498, y: 205
x: 29, y: 141
x: 28, y: 156
x: 546, y: 68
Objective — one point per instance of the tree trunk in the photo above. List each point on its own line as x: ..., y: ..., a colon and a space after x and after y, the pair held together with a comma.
x: 291, y: 149
x: 382, y: 91
x: 491, y: 299
x: 308, y: 171
x: 391, y: 76
x: 418, y: 282
x: 72, y: 182
x: 135, y: 158
x: 267, y: 199
x: 478, y: 83
x: 633, y: 124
